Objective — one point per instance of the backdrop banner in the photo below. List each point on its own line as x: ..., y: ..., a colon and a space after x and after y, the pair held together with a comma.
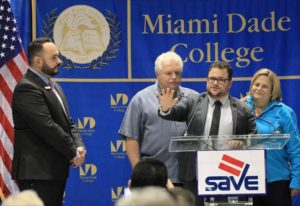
x: 109, y: 49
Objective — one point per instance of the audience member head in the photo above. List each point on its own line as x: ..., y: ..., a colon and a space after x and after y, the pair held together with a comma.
x: 24, y: 198
x: 149, y: 172
x: 168, y: 69
x: 147, y: 196
x: 182, y: 196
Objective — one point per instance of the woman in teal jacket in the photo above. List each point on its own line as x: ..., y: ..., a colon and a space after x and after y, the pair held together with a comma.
x: 283, y: 166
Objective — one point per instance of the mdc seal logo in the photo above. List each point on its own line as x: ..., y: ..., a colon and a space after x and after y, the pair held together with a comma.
x: 81, y: 33
x: 85, y: 37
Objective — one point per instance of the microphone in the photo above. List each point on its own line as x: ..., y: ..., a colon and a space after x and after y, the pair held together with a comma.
x: 190, y: 121
x: 234, y: 104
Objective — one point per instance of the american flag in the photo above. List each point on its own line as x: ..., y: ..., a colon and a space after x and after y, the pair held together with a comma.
x: 13, y: 65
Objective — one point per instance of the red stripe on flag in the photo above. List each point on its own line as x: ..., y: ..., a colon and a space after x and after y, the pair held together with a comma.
x: 6, y: 90
x: 23, y: 55
x: 14, y: 69
x: 229, y: 169
x: 8, y: 128
x: 233, y: 161
x: 5, y: 158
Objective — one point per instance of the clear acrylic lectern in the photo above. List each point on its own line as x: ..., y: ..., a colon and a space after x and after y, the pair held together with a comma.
x: 225, y: 142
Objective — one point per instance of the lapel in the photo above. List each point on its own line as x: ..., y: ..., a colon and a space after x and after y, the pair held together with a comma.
x: 234, y: 114
x: 47, y: 90
x: 63, y: 98
x: 35, y: 78
x: 201, y: 113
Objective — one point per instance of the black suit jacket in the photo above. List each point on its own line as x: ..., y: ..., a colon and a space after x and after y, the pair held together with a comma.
x: 193, y: 110
x: 46, y: 138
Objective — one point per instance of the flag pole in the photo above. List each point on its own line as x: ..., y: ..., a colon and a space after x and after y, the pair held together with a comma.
x: 2, y: 195
x: 33, y: 15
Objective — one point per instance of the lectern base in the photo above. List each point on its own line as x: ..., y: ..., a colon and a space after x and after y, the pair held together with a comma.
x: 227, y: 204
x: 232, y: 201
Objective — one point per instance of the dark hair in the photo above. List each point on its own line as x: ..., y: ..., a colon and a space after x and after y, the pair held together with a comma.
x: 36, y: 47
x: 222, y: 65
x: 149, y: 172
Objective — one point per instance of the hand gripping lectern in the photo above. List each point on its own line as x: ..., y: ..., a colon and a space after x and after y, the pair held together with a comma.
x: 230, y: 167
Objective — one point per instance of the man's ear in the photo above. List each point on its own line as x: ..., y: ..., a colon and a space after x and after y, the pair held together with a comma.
x: 37, y: 61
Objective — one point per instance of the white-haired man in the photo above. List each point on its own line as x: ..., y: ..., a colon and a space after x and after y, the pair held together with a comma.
x: 147, y: 135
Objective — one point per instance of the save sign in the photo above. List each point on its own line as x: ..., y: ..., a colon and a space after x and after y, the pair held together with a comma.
x: 231, y: 172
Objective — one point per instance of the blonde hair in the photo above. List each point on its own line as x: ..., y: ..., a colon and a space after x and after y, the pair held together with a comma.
x: 24, y: 198
x: 276, y: 90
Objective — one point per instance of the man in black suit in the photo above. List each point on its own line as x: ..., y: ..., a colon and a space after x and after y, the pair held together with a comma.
x: 198, y: 111
x: 46, y: 139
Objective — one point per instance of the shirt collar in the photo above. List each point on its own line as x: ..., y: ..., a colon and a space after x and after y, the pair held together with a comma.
x: 271, y: 104
x: 45, y: 78
x: 223, y: 100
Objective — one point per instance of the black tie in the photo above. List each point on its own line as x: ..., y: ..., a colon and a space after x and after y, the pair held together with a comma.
x: 214, y: 128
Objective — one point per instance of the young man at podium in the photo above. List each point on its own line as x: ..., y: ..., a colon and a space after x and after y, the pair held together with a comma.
x: 213, y: 112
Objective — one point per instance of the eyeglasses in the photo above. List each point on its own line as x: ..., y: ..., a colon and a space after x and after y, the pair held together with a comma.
x: 219, y: 80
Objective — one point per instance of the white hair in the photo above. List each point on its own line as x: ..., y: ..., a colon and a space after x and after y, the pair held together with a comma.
x: 147, y: 196
x: 24, y: 198
x: 170, y: 55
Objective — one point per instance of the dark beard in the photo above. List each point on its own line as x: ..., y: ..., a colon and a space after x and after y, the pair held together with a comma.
x: 210, y: 94
x: 50, y: 71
